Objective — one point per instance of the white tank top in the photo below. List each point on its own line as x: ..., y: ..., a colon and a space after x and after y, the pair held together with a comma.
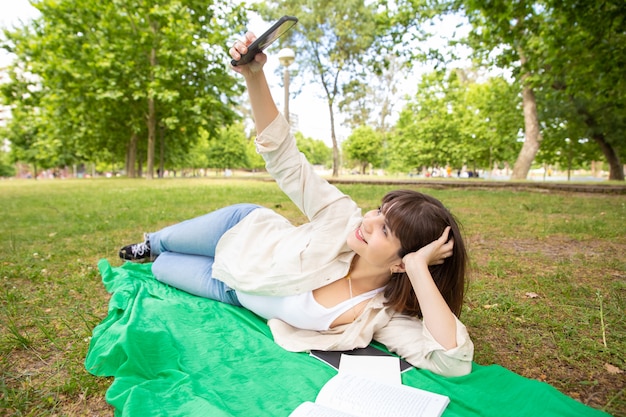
x: 301, y: 310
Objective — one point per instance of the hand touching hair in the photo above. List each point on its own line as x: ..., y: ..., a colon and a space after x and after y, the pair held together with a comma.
x: 417, y: 220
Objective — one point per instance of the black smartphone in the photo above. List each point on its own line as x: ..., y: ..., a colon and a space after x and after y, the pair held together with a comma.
x: 276, y: 31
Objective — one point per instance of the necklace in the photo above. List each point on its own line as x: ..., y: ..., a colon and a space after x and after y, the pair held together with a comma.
x: 350, y: 289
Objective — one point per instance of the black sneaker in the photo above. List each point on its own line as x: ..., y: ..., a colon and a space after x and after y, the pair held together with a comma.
x: 138, y: 252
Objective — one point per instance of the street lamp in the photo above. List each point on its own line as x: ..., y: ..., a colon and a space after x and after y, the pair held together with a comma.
x: 286, y: 56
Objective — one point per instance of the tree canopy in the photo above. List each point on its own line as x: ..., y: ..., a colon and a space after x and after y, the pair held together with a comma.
x: 116, y: 75
x: 146, y: 85
x: 568, y: 57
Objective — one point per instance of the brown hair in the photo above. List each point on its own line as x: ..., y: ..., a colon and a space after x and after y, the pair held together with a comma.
x: 418, y: 219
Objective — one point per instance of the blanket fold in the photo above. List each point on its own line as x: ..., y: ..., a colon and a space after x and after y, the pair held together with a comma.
x: 174, y: 354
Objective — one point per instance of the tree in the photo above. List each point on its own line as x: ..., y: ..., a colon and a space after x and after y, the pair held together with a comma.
x: 228, y: 148
x: 255, y: 160
x: 332, y: 39
x: 492, y: 121
x: 427, y: 130
x: 316, y: 151
x: 509, y: 28
x: 119, y: 75
x: 456, y: 120
x: 573, y: 51
x: 364, y: 146
x: 371, y: 100
x: 23, y: 131
x: 584, y: 59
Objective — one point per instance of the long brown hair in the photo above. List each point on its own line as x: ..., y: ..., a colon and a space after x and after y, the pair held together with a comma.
x: 418, y: 219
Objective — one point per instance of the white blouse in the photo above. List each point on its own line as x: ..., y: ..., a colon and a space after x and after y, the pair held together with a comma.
x: 301, y: 310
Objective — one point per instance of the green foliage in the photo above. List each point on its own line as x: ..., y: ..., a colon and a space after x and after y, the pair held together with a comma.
x: 255, y: 160
x: 315, y: 150
x: 7, y: 169
x: 456, y: 121
x: 228, y: 148
x: 584, y: 44
x: 364, y: 147
x: 332, y: 41
x: 571, y: 54
x: 90, y: 75
x: 561, y: 147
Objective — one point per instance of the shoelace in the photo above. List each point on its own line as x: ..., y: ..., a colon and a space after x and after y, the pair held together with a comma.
x: 140, y: 249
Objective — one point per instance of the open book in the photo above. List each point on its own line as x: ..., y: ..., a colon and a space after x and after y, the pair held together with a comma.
x: 348, y: 395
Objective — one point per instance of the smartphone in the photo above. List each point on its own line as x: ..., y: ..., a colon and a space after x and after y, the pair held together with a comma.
x: 276, y: 31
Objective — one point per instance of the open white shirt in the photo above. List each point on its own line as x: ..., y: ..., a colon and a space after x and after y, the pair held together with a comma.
x: 267, y: 255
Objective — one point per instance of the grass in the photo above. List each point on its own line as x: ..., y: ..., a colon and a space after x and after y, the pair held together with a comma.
x: 546, y: 299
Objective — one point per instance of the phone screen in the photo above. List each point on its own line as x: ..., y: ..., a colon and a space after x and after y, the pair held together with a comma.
x: 266, y: 39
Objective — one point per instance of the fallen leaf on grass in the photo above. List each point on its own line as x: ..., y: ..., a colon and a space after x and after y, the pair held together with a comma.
x: 532, y: 295
x: 613, y: 370
x: 488, y: 306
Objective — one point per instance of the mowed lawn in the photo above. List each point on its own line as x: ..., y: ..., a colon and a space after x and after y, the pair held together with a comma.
x: 547, y: 295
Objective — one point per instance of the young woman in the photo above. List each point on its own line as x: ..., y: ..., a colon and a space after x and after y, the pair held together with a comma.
x: 395, y: 274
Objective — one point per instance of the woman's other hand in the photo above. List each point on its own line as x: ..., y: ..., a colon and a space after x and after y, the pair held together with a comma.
x: 435, y: 253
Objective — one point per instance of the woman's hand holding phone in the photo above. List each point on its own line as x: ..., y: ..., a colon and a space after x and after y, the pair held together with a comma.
x: 240, y: 48
x: 248, y: 60
x: 249, y: 52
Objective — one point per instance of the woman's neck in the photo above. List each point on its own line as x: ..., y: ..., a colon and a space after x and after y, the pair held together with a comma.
x: 365, y: 277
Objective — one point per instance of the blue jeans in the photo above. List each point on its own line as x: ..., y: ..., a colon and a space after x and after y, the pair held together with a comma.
x: 186, y: 252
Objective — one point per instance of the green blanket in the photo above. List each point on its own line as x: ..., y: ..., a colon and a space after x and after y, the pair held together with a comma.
x: 173, y: 354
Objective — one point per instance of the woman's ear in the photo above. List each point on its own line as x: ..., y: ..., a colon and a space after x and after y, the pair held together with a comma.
x: 398, y: 268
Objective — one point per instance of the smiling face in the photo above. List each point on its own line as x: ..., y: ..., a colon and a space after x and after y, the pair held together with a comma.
x: 374, y: 242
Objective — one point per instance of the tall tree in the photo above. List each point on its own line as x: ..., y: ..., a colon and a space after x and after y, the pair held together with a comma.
x: 584, y: 61
x: 331, y: 40
x: 510, y: 28
x: 428, y: 130
x: 119, y: 71
x: 572, y: 50
x: 491, y: 121
x: 456, y: 120
x: 364, y: 146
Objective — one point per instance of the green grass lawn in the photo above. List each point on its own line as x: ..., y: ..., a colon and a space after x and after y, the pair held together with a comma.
x: 546, y: 299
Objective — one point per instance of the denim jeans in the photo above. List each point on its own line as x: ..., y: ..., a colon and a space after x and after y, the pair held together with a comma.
x: 186, y: 252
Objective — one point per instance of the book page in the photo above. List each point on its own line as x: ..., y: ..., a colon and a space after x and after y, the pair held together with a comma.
x: 380, y: 368
x: 368, y: 398
x: 309, y: 409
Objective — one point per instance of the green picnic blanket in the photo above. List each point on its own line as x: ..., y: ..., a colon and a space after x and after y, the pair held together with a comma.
x: 174, y: 354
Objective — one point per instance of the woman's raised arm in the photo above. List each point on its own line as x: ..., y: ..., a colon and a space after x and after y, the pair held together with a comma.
x: 263, y: 107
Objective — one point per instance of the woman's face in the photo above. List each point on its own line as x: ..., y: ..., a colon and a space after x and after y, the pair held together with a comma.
x: 374, y: 242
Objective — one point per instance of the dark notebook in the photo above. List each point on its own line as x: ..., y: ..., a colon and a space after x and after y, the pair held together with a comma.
x: 333, y: 357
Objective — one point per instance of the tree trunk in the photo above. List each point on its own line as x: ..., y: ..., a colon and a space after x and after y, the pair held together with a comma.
x: 334, y: 139
x: 616, y: 171
x: 532, y: 133
x: 151, y: 122
x: 161, y: 151
x: 131, y: 156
